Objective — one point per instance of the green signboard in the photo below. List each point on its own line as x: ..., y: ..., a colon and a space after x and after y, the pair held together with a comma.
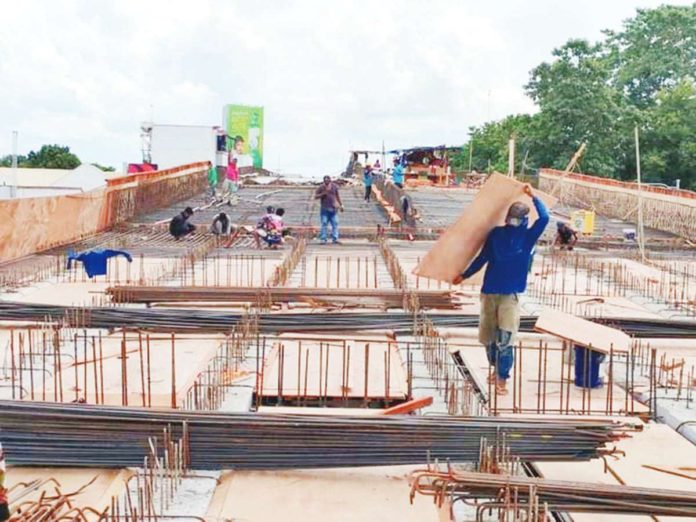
x: 244, y: 126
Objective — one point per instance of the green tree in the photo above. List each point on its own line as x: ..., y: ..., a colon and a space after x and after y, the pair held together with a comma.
x: 668, y: 141
x: 488, y: 144
x: 578, y: 103
x: 52, y: 157
x: 6, y: 161
x: 655, y: 50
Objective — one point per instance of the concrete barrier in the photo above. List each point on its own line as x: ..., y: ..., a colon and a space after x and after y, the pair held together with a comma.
x: 31, y: 225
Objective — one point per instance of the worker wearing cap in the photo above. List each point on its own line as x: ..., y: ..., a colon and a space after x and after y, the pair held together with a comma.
x: 507, y: 251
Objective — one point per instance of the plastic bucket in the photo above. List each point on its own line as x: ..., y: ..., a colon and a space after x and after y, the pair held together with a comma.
x: 587, y: 367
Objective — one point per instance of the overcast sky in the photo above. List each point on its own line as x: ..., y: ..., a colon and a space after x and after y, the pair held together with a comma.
x: 331, y: 75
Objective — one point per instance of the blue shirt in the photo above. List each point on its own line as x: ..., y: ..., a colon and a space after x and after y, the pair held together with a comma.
x: 398, y: 174
x: 94, y: 261
x: 367, y: 179
x: 508, y: 252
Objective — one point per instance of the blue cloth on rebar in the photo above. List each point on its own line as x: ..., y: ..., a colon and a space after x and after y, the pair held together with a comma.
x: 95, y: 260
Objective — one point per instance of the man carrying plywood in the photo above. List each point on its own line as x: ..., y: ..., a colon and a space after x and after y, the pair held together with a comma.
x: 507, y: 252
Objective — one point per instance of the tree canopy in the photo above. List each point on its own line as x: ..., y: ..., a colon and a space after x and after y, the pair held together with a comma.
x: 596, y: 93
x: 47, y: 157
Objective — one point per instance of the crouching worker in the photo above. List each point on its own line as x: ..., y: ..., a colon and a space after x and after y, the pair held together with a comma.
x: 507, y: 251
x: 221, y: 225
x: 270, y: 229
x: 179, y: 226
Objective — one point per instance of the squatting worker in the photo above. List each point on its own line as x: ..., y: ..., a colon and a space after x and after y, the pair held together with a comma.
x: 179, y: 226
x: 330, y: 205
x: 566, y: 237
x: 507, y: 250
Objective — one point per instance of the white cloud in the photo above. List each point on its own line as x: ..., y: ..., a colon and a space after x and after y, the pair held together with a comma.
x: 330, y: 74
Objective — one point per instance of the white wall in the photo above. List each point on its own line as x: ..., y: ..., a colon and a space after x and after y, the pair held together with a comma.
x: 174, y: 145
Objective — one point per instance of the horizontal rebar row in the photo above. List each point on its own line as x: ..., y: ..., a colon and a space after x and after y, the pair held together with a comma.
x: 183, y: 319
x: 43, y: 434
x: 513, y: 492
x: 350, y: 296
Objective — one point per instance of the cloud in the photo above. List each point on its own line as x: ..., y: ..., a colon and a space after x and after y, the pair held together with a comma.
x: 331, y: 75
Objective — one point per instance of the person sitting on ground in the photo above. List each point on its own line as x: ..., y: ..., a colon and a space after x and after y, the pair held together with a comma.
x: 507, y: 251
x: 221, y: 225
x: 566, y: 237
x: 179, y: 225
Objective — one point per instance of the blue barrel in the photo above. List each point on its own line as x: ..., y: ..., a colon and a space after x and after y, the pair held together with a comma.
x: 587, y: 367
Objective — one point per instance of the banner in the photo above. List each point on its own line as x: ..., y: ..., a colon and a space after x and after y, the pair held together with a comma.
x: 244, y: 126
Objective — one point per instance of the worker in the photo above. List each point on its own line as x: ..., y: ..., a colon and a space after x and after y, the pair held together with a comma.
x: 231, y: 183
x: 566, y: 237
x: 398, y: 173
x: 270, y: 230
x: 4, y: 500
x: 179, y: 226
x: 330, y: 205
x: 212, y: 182
x: 507, y: 252
x: 367, y: 180
x: 221, y: 225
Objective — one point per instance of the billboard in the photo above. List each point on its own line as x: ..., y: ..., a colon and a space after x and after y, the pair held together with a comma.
x: 244, y: 126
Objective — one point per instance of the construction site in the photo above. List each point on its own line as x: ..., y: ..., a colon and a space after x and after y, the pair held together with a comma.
x: 204, y: 378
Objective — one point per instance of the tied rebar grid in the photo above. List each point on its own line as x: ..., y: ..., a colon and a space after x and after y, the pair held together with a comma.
x: 211, y: 386
x: 43, y: 434
x: 568, y: 274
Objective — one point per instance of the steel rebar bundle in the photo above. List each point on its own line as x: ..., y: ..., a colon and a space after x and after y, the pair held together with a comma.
x: 192, y: 319
x: 350, y: 296
x: 513, y: 492
x: 46, y: 434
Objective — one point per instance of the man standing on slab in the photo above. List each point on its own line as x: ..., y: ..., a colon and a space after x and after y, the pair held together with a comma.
x: 330, y: 205
x: 507, y: 251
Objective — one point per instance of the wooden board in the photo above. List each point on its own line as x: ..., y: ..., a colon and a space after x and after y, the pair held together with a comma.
x: 459, y: 245
x: 324, y: 495
x: 580, y: 331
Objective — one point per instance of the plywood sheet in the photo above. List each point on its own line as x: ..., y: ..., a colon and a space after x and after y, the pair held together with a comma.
x: 459, y: 245
x: 319, y: 495
x: 583, y: 332
x: 657, y: 445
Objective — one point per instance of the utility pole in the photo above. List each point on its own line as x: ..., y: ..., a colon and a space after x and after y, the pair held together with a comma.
x: 471, y: 152
x: 13, y: 187
x: 641, y: 239
x: 511, y: 157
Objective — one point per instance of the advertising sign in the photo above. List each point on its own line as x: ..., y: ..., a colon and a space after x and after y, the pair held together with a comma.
x: 244, y: 126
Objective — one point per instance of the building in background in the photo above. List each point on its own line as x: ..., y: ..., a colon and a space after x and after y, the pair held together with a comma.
x: 173, y: 145
x: 37, y: 182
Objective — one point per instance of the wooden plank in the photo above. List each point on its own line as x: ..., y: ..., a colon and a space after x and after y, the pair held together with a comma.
x: 582, y: 332
x: 460, y: 243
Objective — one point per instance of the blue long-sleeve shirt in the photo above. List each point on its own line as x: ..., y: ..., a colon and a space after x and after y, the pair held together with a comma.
x: 94, y: 261
x: 508, y: 251
x: 398, y: 174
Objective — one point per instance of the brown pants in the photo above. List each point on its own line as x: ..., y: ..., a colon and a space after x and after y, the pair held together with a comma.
x: 499, y: 312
